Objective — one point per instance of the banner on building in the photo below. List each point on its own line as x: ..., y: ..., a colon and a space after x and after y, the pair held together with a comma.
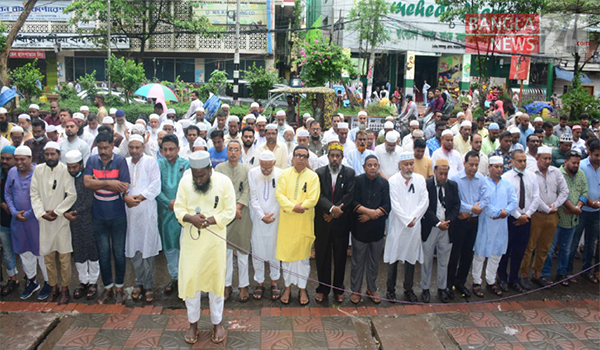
x: 502, y: 33
x: 28, y: 54
x: 519, y: 67
x: 64, y: 41
x: 44, y: 10
x: 224, y: 12
x: 450, y: 72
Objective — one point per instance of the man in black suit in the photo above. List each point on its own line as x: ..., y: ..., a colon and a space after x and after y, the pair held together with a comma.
x: 333, y: 215
x: 436, y: 228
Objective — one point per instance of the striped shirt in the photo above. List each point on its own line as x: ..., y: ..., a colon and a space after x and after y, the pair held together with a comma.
x: 108, y: 205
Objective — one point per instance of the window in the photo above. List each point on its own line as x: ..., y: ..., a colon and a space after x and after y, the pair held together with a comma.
x: 77, y: 67
x: 169, y: 68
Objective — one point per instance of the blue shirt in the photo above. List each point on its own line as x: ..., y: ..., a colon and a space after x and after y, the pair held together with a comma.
x: 108, y: 205
x: 593, y: 180
x: 217, y: 157
x: 524, y: 134
x: 357, y: 159
x: 433, y: 144
x: 470, y: 191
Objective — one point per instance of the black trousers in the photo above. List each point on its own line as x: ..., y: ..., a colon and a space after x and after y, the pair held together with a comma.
x: 461, y: 256
x: 518, y: 238
x: 328, y: 245
x: 392, y: 276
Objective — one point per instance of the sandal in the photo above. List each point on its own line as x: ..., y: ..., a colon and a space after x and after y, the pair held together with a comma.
x: 9, y: 287
x: 319, y: 297
x: 136, y: 294
x: 275, y: 292
x: 544, y: 281
x: 171, y: 287
x: 283, y: 300
x: 258, y: 292
x: 214, y: 338
x: 227, y: 293
x: 355, y: 298
x: 572, y: 279
x: 78, y: 292
x: 477, y: 290
x: 300, y: 298
x: 149, y: 296
x: 92, y: 290
x: 495, y: 289
x: 192, y: 341
x: 590, y: 277
x: 374, y: 296
x: 244, y: 295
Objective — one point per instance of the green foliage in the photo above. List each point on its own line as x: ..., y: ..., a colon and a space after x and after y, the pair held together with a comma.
x: 3, y: 29
x: 25, y: 77
x: 88, y: 83
x: 322, y: 62
x: 128, y: 74
x: 367, y: 18
x: 578, y: 100
x: 181, y: 88
x: 261, y: 81
x: 67, y: 93
x: 216, y: 84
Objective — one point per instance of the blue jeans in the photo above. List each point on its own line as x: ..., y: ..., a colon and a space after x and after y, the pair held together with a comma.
x: 7, y: 249
x: 172, y: 256
x: 105, y: 231
x: 563, y: 238
x: 590, y: 222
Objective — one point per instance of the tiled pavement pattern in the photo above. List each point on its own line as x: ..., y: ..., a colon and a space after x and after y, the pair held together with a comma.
x: 573, y: 324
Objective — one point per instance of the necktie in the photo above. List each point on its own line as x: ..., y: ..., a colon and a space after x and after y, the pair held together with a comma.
x: 441, y: 196
x: 521, y: 192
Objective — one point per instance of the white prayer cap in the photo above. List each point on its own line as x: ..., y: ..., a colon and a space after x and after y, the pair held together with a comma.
x: 288, y: 128
x: 17, y: 129
x: 388, y: 125
x: 271, y: 127
x: 413, y: 123
x: 24, y: 116
x: 342, y: 125
x: 141, y: 120
x: 84, y: 108
x: 184, y: 123
x: 202, y: 127
x: 138, y: 129
x: 52, y: 144
x: 306, y: 115
x: 200, y: 142
x: 494, y: 126
x: 538, y: 119
x: 233, y: 118
x: 417, y: 133
x: 280, y: 113
x: 391, y: 137
x: 519, y: 113
x: 333, y: 138
x: 544, y: 150
x: 496, y: 160
x: 168, y: 122
x: 112, y: 111
x: 3, y: 110
x: 310, y: 119
x: 199, y: 160
x: 389, y: 118
x: 261, y: 119
x: 34, y: 106
x: 447, y: 132
x: 406, y: 156
x: 302, y: 133
x: 362, y: 113
x: 136, y: 137
x: 466, y: 123
x: 154, y: 116
x: 171, y: 111
x: 23, y: 151
x: 460, y: 114
x: 50, y: 128
x: 73, y: 156
x: 515, y: 131
x: 78, y: 115
x: 200, y: 109
x: 250, y: 117
x: 108, y: 120
x: 267, y: 156
x: 254, y: 105
x: 224, y: 105
x: 341, y: 115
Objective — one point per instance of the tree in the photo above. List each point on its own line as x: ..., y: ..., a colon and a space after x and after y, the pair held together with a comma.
x: 261, y: 81
x: 25, y: 78
x: 322, y: 61
x: 6, y: 42
x: 137, y: 20
x: 127, y: 73
x: 368, y: 19
x: 88, y: 83
x: 216, y: 84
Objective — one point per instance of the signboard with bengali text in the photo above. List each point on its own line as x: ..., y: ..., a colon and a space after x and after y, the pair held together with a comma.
x: 44, y: 10
x: 28, y: 54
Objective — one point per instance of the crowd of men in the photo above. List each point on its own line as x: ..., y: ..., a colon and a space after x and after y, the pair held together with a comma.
x: 101, y: 189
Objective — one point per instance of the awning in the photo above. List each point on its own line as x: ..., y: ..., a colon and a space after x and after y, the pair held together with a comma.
x: 568, y: 75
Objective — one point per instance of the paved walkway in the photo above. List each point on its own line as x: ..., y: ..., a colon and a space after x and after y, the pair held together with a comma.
x: 552, y: 324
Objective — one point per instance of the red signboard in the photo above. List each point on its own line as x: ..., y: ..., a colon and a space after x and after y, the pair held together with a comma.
x: 28, y: 54
x: 519, y: 67
x: 502, y: 33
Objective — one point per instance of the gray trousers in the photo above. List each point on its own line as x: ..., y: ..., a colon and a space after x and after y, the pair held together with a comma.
x: 144, y: 271
x: 440, y: 241
x: 365, y: 255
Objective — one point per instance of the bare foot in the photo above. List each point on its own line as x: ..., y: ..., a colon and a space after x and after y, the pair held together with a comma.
x: 285, y: 298
x: 303, y: 297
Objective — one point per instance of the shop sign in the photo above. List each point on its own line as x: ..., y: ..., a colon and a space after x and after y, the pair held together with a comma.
x: 28, y: 54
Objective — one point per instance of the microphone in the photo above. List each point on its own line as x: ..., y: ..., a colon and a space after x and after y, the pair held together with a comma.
x: 198, y: 211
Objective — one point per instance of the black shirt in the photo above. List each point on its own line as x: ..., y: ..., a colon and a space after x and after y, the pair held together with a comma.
x: 373, y: 195
x: 4, y: 216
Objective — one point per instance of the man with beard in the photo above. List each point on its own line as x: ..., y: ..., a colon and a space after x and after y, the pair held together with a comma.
x: 34, y: 111
x: 16, y: 136
x: 108, y: 175
x: 316, y: 139
x: 461, y: 141
x: 24, y: 121
x: 302, y: 137
x: 92, y: 125
x: 239, y: 230
x: 261, y: 125
x: 52, y: 194
x: 54, y: 117
x: 24, y: 227
x: 407, y: 140
x: 264, y: 212
x: 153, y: 126
x: 191, y: 134
x: 7, y: 157
x: 198, y: 118
x: 297, y: 195
x: 333, y: 216
x: 205, y: 201
x: 388, y: 155
x: 143, y: 239
x: 81, y: 133
x: 363, y: 124
x: 52, y: 134
x: 122, y: 125
x: 515, y: 135
x: 5, y: 126
x: 525, y: 129
x: 281, y: 123
x: 356, y: 157
x: 233, y: 125
x: 409, y: 199
x: 278, y: 148
x: 85, y: 110
x: 85, y: 250
x: 249, y: 151
x: 38, y: 141
x: 139, y: 128
x: 249, y: 120
x: 343, y: 136
x: 99, y: 102
x: 290, y: 143
x: 221, y: 125
x: 476, y: 141
x: 448, y: 152
x: 172, y: 168
x: 65, y: 115
x: 491, y: 142
x: 73, y: 141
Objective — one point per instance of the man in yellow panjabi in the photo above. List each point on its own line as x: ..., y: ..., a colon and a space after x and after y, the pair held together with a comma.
x: 297, y: 193
x: 205, y: 200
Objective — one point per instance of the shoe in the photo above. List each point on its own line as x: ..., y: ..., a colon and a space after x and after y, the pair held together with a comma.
x: 65, y: 296
x: 105, y: 296
x: 463, y: 291
x: 518, y: 287
x: 391, y: 296
x: 426, y: 296
x: 450, y: 293
x: 526, y: 284
x: 32, y: 287
x: 503, y: 285
x: 411, y: 296
x: 443, y: 295
x: 54, y: 295
x: 9, y: 287
x: 119, y: 297
x: 45, y: 292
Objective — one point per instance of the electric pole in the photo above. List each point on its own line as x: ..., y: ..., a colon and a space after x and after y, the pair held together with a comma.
x: 109, y: 25
x: 236, y: 57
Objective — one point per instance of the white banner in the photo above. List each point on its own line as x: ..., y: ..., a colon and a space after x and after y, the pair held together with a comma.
x: 66, y: 41
x: 44, y: 10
